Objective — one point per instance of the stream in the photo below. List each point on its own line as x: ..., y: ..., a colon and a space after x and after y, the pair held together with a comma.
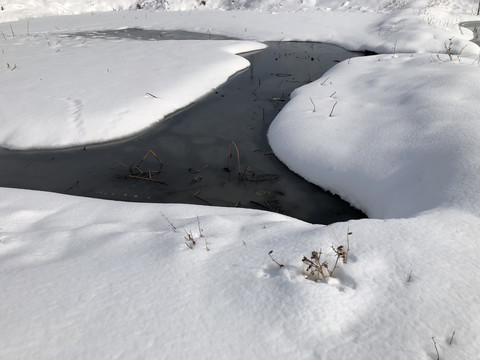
x: 474, y: 26
x: 192, y: 156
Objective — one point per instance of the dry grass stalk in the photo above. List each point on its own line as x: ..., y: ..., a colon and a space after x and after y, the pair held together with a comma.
x: 196, y: 179
x: 168, y: 220
x: 275, y: 261
x: 147, y: 154
x: 229, y: 155
x: 200, y: 230
x: 345, y: 256
x: 409, y: 278
x: 195, y: 195
x: 451, y: 339
x: 248, y: 174
x: 448, y: 48
x: 312, y: 104
x: 317, y: 269
x: 436, y: 349
x: 149, y: 178
x: 333, y: 107
x: 190, y: 239
x: 137, y: 173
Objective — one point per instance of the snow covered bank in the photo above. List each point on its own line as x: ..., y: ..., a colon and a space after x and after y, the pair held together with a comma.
x: 87, y: 278
x: 61, y: 91
x: 393, y: 135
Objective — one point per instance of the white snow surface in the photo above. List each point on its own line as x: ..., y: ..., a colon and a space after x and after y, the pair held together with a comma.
x: 38, y: 54
x: 87, y: 278
x: 395, y: 134
x: 125, y: 86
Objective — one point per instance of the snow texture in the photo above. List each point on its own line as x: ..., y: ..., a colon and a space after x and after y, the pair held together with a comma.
x: 395, y: 134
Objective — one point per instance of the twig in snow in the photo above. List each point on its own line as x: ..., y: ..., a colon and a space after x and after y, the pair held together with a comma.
x: 313, y: 104
x: 436, y: 349
x: 448, y: 48
x: 275, y: 261
x: 200, y: 230
x: 168, y: 220
x: 189, y: 239
x: 333, y: 107
x: 409, y: 278
x: 451, y: 339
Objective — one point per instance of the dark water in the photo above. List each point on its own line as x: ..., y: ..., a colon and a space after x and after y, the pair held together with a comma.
x: 153, y: 35
x: 474, y: 26
x: 193, y: 146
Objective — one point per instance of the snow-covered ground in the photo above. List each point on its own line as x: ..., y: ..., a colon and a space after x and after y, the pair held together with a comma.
x: 395, y: 134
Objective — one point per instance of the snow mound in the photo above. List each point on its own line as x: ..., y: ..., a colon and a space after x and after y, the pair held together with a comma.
x: 95, y: 279
x: 394, y: 135
x: 139, y: 83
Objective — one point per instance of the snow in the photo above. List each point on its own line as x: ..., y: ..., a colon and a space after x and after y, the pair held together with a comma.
x: 402, y: 137
x: 89, y: 278
x: 66, y: 113
x: 135, y: 80
x: 395, y: 134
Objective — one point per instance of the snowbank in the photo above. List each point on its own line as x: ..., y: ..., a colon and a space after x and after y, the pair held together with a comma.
x: 12, y: 10
x: 72, y: 90
x: 394, y: 135
x: 88, y: 278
